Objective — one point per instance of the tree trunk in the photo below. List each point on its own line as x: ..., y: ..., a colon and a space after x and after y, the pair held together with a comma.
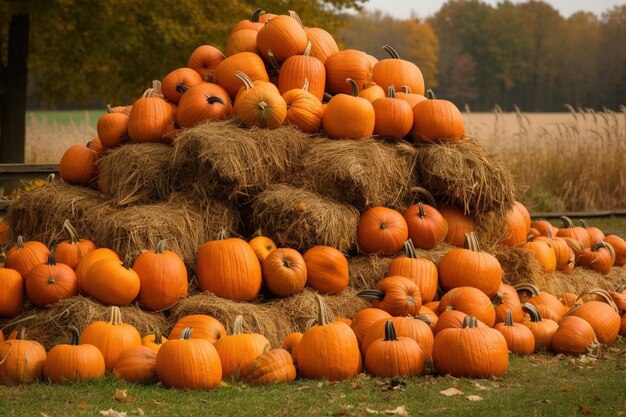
x: 13, y: 92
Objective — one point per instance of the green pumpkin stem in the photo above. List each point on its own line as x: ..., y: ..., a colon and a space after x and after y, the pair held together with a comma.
x: 470, y: 322
x: 75, y: 335
x: 186, y: 333
x: 390, y: 331
x: 508, y: 320
x: 535, y: 316
x: 52, y: 258
x: 158, y: 337
x: 255, y: 16
x: 391, y: 91
x: 430, y: 94
x: 215, y: 99
x: 371, y: 294
x: 161, y: 246
x: 567, y: 222
x: 406, y: 89
x: 409, y: 249
x: 355, y: 87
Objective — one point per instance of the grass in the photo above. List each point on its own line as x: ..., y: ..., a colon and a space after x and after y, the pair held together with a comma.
x: 608, y: 224
x: 543, y: 384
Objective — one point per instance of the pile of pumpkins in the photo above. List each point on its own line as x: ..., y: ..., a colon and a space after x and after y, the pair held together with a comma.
x: 276, y: 71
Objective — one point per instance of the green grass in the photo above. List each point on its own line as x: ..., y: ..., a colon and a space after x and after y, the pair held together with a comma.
x: 608, y: 224
x: 64, y: 118
x: 539, y: 385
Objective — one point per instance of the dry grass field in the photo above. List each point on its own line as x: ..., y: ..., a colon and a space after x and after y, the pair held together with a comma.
x: 570, y: 161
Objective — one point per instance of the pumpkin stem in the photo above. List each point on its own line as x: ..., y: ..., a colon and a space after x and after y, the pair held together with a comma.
x: 71, y: 232
x: 391, y: 91
x: 390, y: 331
x: 621, y: 288
x: 186, y: 333
x: 238, y: 325
x: 181, y: 88
x: 215, y: 99
x: 355, y: 87
x: 535, y: 316
x: 584, y: 223
x: 158, y: 337
x: 52, y: 258
x: 529, y: 288
x: 21, y: 335
x: 310, y: 323
x: 327, y: 96
x: 307, y: 50
x: 255, y: 16
x: 391, y: 51
x: 470, y: 242
x: 222, y: 234
x: 262, y: 105
x: 305, y: 87
x: 247, y: 82
x: 425, y: 319
x: 406, y: 89
x: 508, y: 321
x: 470, y: 322
x: 128, y: 262
x: 109, y: 108
x: 295, y: 16
x: 383, y: 226
x: 497, y: 299
x: 267, y: 348
x: 567, y: 222
x: 20, y: 242
x: 75, y: 335
x: 599, y: 292
x: 322, y: 317
x: 425, y: 194
x: 161, y: 246
x: 420, y: 209
x: 115, y: 315
x: 430, y: 94
x: 409, y: 249
x: 273, y: 61
x: 286, y: 263
x: 371, y: 294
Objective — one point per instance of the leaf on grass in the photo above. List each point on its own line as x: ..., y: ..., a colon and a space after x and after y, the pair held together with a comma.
x: 112, y: 413
x: 370, y: 411
x: 82, y: 406
x: 567, y: 388
x: 583, y: 409
x: 157, y: 402
x: 474, y: 398
x: 400, y: 411
x: 224, y: 384
x: 481, y: 387
x: 138, y: 411
x: 45, y: 415
x: 121, y: 396
x: 450, y: 392
x: 355, y: 385
x: 586, y: 359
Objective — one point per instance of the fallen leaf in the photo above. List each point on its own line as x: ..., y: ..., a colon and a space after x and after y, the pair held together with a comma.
x: 567, y: 388
x: 370, y: 411
x: 474, y: 398
x: 450, y: 392
x: 481, y: 387
x: 121, y: 396
x: 138, y: 411
x: 355, y: 385
x: 157, y: 402
x: 400, y: 411
x: 320, y: 384
x: 224, y: 384
x: 583, y: 409
x: 82, y: 406
x: 112, y: 413
x: 586, y: 359
x: 45, y: 415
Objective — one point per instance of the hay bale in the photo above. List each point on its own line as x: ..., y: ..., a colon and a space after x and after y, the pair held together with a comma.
x: 519, y: 265
x: 136, y: 173
x: 50, y: 326
x: 465, y: 175
x: 367, y: 270
x: 39, y: 214
x: 231, y: 161
x: 265, y: 319
x: 362, y: 173
x: 130, y: 230
x: 300, y: 219
x: 580, y: 279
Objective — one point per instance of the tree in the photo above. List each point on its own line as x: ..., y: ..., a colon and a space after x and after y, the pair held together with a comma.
x: 96, y: 52
x: 461, y: 88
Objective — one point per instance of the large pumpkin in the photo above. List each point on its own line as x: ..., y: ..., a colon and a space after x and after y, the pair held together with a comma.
x: 421, y: 270
x: 437, y: 120
x: 11, y: 292
x: 48, y: 283
x: 397, y: 72
x: 284, y: 272
x: 349, y: 116
x: 21, y: 360
x: 150, y: 117
x: 327, y: 269
x: 73, y: 362
x: 284, y: 36
x: 111, y: 282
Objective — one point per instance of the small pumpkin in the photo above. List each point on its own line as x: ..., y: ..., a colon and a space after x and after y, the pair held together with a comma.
x: 262, y: 246
x: 203, y: 326
x: 273, y: 366
x: 112, y: 128
x: 298, y: 69
x: 348, y: 115
x: 284, y: 272
x: 600, y: 257
x: 365, y: 319
x: 70, y: 252
x: 427, y: 226
x: 392, y: 117
x: 437, y: 120
x: 304, y: 110
x: 291, y: 343
x: 394, y: 356
x: 112, y: 282
x: 78, y: 165
x: 150, y: 117
x: 260, y: 107
x: 323, y: 44
x: 21, y: 360
x: 136, y: 364
x: 422, y: 271
x: 154, y: 340
x: 204, y: 60
x: 543, y: 329
x: 595, y: 235
x: 48, y: 283
x: 519, y: 338
x: 73, y: 362
x: 381, y: 230
x: 544, y: 253
x: 327, y: 269
x: 248, y: 62
x: 23, y: 256
x: 397, y: 72
x: 459, y: 223
x: 574, y: 232
x: 415, y: 328
x: 398, y: 296
x: 471, y: 301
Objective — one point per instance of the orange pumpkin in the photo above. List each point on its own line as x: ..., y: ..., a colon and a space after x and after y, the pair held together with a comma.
x: 619, y: 246
x: 74, y: 362
x: 349, y: 116
x: 519, y: 338
x: 112, y: 128
x: 427, y: 226
x: 518, y: 225
x: 407, y: 95
x: 203, y: 326
x: 150, y: 117
x: 78, y: 165
x: 284, y: 272
x: 344, y: 64
x: 323, y: 43
x: 420, y: 270
x: 11, y: 292
x: 154, y: 341
x: 542, y: 329
x: 393, y: 117
x: 381, y: 230
x: 397, y: 72
x: 243, y: 40
x: 204, y: 60
x: 543, y: 252
x: 300, y: 68
x: 248, y: 62
x: 48, y: 283
x: 111, y: 282
x: 203, y: 101
x: 70, y: 252
x: 284, y: 36
x: 365, y: 319
x: 398, y: 296
x: 437, y: 120
x: 327, y: 269
x: 262, y: 246
x: 405, y: 326
x: 21, y: 360
x: 259, y: 106
x: 394, y: 356
x: 271, y: 367
x: 459, y: 223
x: 304, y: 110
x: 136, y: 364
x: 23, y: 256
x: 470, y: 301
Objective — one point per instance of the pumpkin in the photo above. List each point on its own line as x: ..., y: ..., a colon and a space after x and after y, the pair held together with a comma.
x: 544, y: 254
x: 262, y: 246
x: 329, y: 349
x: 544, y: 227
x: 600, y: 257
x: 437, y: 120
x: 284, y: 36
x: 201, y: 102
x: 595, y: 235
x: 568, y: 299
x: 381, y: 230
x: 23, y: 256
x: 154, y: 341
x: 406, y: 326
x: 459, y: 224
x: 398, y: 296
x: 461, y: 352
x: 291, y: 343
x: 284, y: 272
x: 150, y: 117
x: 394, y: 356
x: 365, y: 319
x: 229, y: 268
x: 517, y: 225
x: 618, y: 296
x: 397, y: 72
x: 542, y: 329
x: 427, y: 226
x: 471, y: 301
x: 11, y: 292
x: 428, y: 316
x: 344, y: 64
x: 547, y: 304
x: 204, y: 60
x: 519, y: 338
x: 248, y: 62
x: 189, y: 363
x: 410, y: 97
x: 73, y: 362
x: 243, y: 40
x: 470, y: 267
x: 21, y: 360
x: 162, y: 276
x: 348, y: 115
x: 392, y: 117
x: 112, y: 128
x: 323, y: 44
x: 259, y: 106
x: 507, y: 301
x: 48, y: 283
x: 619, y: 246
x: 300, y: 68
x: 602, y: 315
x: 304, y: 110
x: 111, y: 338
x: 249, y: 24
x: 203, y: 326
x: 78, y: 165
x: 136, y: 364
x: 89, y: 259
x: 270, y: 367
x: 422, y: 271
x: 70, y: 252
x: 574, y: 337
x: 452, y: 319
x: 372, y: 92
x: 238, y: 348
x: 111, y: 282
x: 327, y: 269
x: 574, y: 232
x: 564, y: 255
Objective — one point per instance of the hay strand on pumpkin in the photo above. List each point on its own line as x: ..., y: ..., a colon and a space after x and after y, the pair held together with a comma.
x: 296, y: 218
x: 136, y: 173
x: 50, y: 326
x: 362, y: 173
x: 233, y: 161
x: 580, y: 279
x: 465, y: 175
x: 39, y: 214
